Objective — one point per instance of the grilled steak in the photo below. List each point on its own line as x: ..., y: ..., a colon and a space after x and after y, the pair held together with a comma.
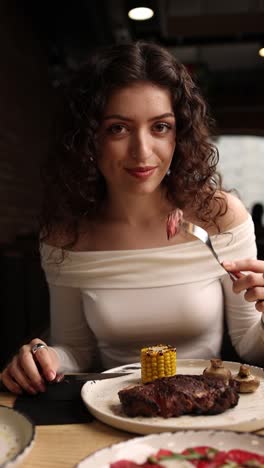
x: 180, y: 394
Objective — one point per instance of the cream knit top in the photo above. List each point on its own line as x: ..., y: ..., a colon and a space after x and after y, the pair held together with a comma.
x: 109, y: 304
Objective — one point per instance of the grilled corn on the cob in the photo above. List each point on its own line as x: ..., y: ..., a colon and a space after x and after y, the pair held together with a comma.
x: 157, y: 361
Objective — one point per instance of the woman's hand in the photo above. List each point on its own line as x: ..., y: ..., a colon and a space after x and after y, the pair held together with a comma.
x: 252, y: 281
x: 29, y: 369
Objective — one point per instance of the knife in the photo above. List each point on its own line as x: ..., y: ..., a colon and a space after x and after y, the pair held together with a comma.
x: 82, y: 377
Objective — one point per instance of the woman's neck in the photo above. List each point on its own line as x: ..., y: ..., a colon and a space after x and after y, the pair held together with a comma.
x: 136, y: 210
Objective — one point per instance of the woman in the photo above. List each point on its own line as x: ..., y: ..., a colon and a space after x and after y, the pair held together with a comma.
x: 136, y: 150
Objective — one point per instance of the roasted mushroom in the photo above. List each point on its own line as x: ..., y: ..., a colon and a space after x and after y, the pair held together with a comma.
x: 247, y: 382
x: 218, y: 370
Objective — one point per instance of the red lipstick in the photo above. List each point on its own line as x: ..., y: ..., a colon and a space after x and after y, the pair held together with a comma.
x: 141, y: 172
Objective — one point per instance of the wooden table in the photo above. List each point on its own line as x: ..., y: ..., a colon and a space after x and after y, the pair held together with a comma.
x: 65, y: 445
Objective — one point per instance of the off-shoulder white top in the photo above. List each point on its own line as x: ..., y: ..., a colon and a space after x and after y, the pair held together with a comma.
x: 111, y: 303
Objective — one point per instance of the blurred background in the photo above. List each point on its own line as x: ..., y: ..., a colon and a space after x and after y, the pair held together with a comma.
x: 42, y: 42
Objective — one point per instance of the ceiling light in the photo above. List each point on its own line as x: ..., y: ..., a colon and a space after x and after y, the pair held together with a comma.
x: 261, y: 50
x: 140, y: 13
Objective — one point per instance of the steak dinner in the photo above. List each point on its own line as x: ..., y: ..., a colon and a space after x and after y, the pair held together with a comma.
x: 178, y: 395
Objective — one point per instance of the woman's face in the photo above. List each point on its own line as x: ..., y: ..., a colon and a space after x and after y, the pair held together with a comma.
x: 136, y: 140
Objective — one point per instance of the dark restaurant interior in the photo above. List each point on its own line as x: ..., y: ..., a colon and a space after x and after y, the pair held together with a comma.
x: 42, y: 43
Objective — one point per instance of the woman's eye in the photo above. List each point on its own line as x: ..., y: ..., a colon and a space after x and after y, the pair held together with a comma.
x: 116, y: 129
x: 162, y: 127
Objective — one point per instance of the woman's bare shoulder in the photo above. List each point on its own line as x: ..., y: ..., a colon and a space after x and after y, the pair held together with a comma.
x: 232, y: 213
x: 63, y: 238
x: 236, y: 212
x: 56, y: 237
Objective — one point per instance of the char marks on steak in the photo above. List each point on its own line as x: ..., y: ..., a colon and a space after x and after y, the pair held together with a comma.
x: 180, y: 394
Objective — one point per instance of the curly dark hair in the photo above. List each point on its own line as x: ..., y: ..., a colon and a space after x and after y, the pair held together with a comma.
x: 75, y: 189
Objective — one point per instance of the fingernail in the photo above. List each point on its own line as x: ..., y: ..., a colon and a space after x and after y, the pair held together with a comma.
x: 51, y: 375
x: 42, y: 387
x: 227, y: 264
x: 32, y: 390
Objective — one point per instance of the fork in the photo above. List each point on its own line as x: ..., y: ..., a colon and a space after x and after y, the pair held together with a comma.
x: 203, y: 236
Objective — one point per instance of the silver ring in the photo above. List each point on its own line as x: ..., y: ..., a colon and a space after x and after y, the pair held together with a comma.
x: 38, y: 346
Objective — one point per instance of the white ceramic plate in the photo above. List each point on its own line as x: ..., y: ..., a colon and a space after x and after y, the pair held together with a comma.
x: 17, y: 434
x: 101, y: 398
x: 139, y: 448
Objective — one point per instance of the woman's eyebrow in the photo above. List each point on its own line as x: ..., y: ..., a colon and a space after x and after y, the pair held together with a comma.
x: 163, y: 116
x: 117, y: 116
x: 123, y: 117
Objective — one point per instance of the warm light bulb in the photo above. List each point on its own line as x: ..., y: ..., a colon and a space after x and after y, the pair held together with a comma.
x: 140, y: 14
x: 261, y: 52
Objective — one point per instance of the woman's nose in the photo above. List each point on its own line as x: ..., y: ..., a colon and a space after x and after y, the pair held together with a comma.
x: 141, y: 148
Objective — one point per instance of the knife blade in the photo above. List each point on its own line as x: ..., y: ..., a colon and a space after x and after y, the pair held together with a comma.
x: 94, y: 376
